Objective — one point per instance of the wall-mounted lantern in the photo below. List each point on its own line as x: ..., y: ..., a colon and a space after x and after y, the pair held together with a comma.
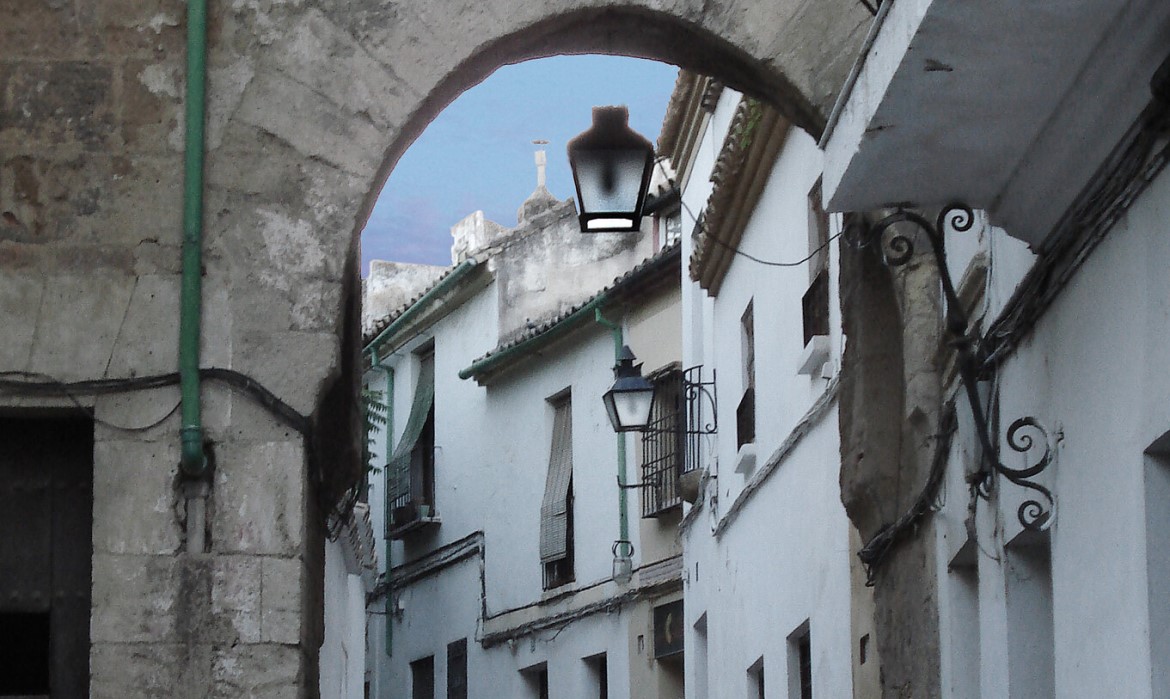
x: 628, y: 402
x: 611, y: 166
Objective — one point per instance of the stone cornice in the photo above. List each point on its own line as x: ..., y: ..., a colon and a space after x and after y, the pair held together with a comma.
x: 691, y: 103
x: 753, y: 141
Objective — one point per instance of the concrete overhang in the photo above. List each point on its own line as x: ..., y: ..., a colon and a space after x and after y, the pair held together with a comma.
x: 1007, y: 105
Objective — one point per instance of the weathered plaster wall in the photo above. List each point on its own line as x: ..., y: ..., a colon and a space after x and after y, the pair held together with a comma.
x: 90, y: 163
x: 391, y: 285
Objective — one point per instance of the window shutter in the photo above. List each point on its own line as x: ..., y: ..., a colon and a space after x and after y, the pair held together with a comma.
x: 554, y: 510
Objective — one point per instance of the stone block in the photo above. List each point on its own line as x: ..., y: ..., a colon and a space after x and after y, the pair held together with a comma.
x: 236, y: 595
x: 133, y: 493
x: 143, y: 27
x: 152, y: 94
x: 79, y: 319
x: 150, y: 191
x: 311, y: 123
x: 20, y: 297
x: 316, y: 51
x: 125, y: 415
x: 226, y: 83
x: 54, y: 102
x: 259, y: 498
x: 281, y: 605
x: 133, y: 599
x: 148, y: 340
x: 149, y: 670
x: 233, y: 180
x: 307, y: 359
x: 257, y: 671
x: 317, y: 309
x: 52, y: 30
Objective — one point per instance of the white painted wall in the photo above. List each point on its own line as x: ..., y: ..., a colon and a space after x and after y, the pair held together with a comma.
x: 492, y: 454
x: 343, y: 652
x: 783, y: 560
x: 1094, y: 372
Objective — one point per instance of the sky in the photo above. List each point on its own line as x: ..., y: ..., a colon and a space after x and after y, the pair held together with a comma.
x: 478, y: 153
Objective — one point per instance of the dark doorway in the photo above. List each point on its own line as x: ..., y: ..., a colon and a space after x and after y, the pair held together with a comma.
x: 46, y: 515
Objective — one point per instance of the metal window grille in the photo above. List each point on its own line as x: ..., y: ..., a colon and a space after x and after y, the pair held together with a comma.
x: 410, y: 471
x: 663, y: 447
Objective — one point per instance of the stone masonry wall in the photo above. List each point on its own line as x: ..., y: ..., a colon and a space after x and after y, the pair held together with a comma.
x: 890, y: 406
x: 310, y: 104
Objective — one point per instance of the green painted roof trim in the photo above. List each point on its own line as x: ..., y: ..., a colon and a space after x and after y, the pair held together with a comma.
x: 488, y: 364
x: 444, y: 285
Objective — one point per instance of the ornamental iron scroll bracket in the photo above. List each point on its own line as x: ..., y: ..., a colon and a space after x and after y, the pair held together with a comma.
x: 699, y: 397
x: 896, y: 244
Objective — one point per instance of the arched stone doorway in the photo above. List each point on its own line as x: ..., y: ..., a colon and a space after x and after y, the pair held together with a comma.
x: 310, y: 105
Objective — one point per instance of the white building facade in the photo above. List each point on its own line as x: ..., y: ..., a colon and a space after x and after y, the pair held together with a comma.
x: 1045, y: 541
x: 503, y: 504
x: 768, y: 549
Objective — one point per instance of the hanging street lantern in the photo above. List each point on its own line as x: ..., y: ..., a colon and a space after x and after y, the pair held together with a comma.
x: 611, y: 166
x: 628, y: 401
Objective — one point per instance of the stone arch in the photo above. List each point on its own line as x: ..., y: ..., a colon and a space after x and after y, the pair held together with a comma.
x: 310, y: 105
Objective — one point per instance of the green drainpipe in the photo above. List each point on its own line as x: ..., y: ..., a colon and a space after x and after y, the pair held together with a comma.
x: 389, y: 605
x: 623, y: 513
x: 193, y: 461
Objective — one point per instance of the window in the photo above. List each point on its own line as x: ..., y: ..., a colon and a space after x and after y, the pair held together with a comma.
x: 536, y: 677
x: 410, y: 473
x: 963, y: 611
x: 756, y: 679
x: 745, y: 413
x: 556, y: 509
x: 599, y: 672
x: 673, y: 228
x: 800, y: 684
x: 662, y: 446
x: 422, y: 678
x: 1031, y: 664
x: 1157, y: 487
x: 815, y: 304
x: 818, y: 233
x: 46, y: 466
x: 700, y: 677
x: 457, y: 669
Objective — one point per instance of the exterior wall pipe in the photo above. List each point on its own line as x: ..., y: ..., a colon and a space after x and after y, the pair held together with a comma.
x: 193, y: 461
x: 389, y: 431
x: 623, y: 511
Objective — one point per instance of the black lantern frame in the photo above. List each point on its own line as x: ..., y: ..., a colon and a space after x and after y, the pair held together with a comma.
x: 604, y: 159
x: 628, y: 384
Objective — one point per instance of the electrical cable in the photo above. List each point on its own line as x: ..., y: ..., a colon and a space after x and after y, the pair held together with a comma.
x: 64, y: 390
x: 732, y: 248
x: 37, y: 384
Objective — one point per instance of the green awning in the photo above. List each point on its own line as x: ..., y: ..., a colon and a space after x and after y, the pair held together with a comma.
x: 398, y: 466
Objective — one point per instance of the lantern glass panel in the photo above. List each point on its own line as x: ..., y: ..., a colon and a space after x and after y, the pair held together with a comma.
x: 631, y: 408
x: 609, y: 180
